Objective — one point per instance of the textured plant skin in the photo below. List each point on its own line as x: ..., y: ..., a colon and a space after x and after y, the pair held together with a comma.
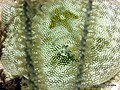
x: 60, y: 45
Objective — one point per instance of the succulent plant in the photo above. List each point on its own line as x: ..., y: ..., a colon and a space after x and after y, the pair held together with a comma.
x: 63, y: 43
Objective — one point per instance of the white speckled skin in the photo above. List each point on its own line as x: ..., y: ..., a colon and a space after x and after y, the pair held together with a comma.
x: 102, y: 57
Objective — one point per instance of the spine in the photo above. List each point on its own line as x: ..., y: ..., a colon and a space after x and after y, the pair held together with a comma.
x: 28, y: 50
x: 83, y: 44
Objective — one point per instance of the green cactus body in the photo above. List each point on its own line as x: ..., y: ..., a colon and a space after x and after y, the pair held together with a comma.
x: 59, y: 41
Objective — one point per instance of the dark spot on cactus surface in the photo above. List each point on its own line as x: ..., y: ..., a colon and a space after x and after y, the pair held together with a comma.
x: 61, y: 17
x: 64, y: 57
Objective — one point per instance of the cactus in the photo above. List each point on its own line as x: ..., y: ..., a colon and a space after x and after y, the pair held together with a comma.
x: 63, y: 43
